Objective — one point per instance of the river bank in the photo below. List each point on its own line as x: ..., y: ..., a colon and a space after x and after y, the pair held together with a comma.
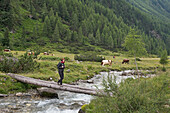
x: 67, y: 102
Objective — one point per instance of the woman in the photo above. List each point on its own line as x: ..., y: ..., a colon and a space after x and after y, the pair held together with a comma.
x: 61, y: 67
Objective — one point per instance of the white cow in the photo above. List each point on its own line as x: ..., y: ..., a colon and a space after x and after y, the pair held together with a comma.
x: 106, y: 62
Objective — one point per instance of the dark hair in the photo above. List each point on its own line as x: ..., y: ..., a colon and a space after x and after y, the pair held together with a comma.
x: 62, y: 59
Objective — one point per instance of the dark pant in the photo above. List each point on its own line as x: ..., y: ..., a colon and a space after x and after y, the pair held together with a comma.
x: 60, y: 71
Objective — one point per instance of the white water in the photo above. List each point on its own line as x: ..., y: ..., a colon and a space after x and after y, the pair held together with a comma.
x: 67, y: 103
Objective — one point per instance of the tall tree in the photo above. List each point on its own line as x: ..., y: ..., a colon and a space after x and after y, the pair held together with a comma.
x: 164, y: 59
x: 56, y: 35
x: 6, y: 40
x: 133, y: 43
x: 74, y: 22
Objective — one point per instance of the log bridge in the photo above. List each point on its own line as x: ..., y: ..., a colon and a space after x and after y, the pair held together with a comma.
x: 50, y: 84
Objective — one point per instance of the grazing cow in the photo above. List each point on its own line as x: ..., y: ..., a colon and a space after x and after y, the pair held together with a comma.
x: 125, y: 61
x: 7, y: 50
x: 29, y: 53
x: 46, y: 53
x: 106, y: 62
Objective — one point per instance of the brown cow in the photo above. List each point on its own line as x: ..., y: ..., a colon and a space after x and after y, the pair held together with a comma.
x: 46, y: 53
x: 29, y: 53
x: 7, y: 50
x: 106, y: 62
x: 125, y: 61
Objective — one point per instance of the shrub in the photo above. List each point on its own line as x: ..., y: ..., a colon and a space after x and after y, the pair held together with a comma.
x: 66, y: 58
x: 116, y: 54
x: 144, y: 96
x: 52, y: 58
x: 7, y: 54
x: 24, y: 64
x: 89, y: 57
x: 163, y: 69
x: 138, y: 59
x: 9, y: 85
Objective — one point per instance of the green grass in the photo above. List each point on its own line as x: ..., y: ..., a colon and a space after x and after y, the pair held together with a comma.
x: 85, y: 70
x: 9, y: 85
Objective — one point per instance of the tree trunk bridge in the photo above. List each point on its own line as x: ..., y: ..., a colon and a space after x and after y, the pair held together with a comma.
x: 64, y: 87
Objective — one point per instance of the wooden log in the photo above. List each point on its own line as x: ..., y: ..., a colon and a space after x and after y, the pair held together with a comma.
x: 43, y: 83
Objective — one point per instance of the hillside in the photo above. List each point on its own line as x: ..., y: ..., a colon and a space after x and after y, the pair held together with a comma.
x: 76, y: 26
x: 159, y: 8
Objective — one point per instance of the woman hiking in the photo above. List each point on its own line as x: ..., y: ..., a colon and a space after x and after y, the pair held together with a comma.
x: 61, y: 67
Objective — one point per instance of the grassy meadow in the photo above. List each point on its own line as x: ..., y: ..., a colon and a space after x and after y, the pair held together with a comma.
x: 76, y: 70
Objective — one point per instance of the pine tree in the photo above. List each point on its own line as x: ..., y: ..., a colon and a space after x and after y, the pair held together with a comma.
x: 74, y: 22
x: 68, y: 36
x: 23, y: 36
x: 134, y: 45
x: 56, y: 35
x: 74, y: 36
x: 110, y: 42
x: 80, y: 35
x: 47, y: 27
x: 164, y: 59
x: 52, y: 20
x: 44, y: 12
x: 98, y: 37
x: 6, y: 40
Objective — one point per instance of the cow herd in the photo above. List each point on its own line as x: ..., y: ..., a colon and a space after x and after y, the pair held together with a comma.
x: 109, y: 62
x: 104, y: 62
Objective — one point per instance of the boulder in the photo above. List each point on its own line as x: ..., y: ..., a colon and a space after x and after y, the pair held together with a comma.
x: 47, y: 92
x: 19, y: 94
x: 81, y: 111
x: 124, y: 74
x: 86, y: 81
x: 68, y: 71
x: 3, y: 95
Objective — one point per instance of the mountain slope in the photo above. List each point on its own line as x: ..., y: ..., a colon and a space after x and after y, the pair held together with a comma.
x: 159, y: 8
x: 74, y: 26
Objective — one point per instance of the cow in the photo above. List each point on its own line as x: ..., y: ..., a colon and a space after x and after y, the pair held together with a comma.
x: 29, y: 53
x: 7, y: 50
x: 125, y: 61
x: 46, y: 53
x: 106, y: 62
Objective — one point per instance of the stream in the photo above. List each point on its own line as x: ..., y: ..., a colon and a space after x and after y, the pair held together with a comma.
x: 68, y: 102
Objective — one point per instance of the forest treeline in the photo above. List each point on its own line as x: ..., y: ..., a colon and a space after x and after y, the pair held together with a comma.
x: 103, y: 23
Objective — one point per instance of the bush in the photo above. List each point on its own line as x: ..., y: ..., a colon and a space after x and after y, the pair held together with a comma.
x: 116, y: 54
x: 7, y: 54
x: 24, y: 64
x: 52, y: 58
x: 144, y: 96
x: 9, y: 85
x: 138, y: 59
x: 89, y: 57
x: 164, y: 69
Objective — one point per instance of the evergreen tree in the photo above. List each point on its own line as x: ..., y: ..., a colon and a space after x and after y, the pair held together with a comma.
x: 164, y: 59
x: 74, y: 36
x: 80, y: 35
x: 97, y: 42
x: 23, y: 36
x: 6, y: 40
x: 47, y: 27
x: 44, y: 12
x: 74, y: 22
x: 134, y: 45
x: 68, y: 36
x: 56, y: 35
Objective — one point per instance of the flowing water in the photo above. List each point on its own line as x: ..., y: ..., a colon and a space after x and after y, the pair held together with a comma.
x: 67, y: 103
